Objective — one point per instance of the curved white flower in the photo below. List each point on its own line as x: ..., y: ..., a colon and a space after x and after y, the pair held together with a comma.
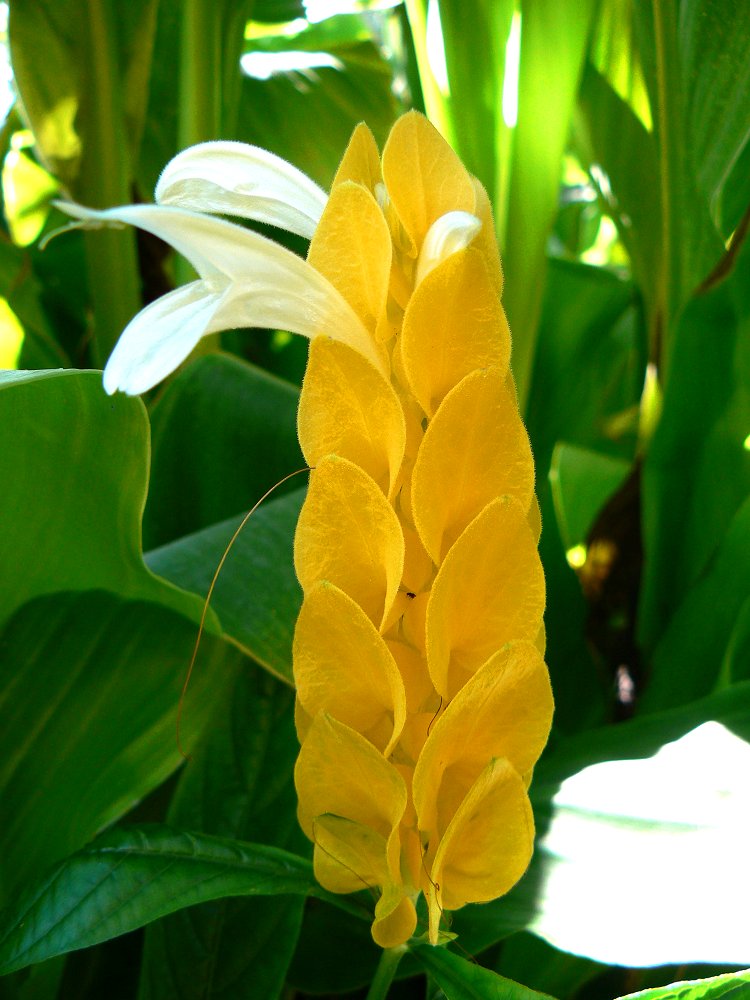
x: 246, y: 280
x: 234, y: 178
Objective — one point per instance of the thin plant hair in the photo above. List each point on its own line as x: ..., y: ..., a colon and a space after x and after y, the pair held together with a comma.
x: 180, y: 707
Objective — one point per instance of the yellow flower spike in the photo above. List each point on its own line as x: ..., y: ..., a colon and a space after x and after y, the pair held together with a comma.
x: 423, y: 701
x: 349, y: 534
x: 343, y: 666
x: 361, y: 161
x: 474, y: 450
x: 453, y: 325
x: 486, y: 847
x: 348, y: 409
x: 352, y: 249
x: 505, y: 710
x: 489, y: 591
x: 423, y: 176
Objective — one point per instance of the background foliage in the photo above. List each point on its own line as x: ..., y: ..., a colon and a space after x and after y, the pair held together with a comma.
x: 612, y: 136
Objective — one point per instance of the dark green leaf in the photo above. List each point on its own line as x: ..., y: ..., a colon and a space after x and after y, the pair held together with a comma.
x: 89, y: 690
x: 713, y: 43
x: 687, y: 662
x: 697, y: 445
x: 615, y: 140
x: 238, y: 785
x: 223, y: 432
x: 527, y: 959
x: 462, y: 980
x: 257, y: 596
x: 128, y: 878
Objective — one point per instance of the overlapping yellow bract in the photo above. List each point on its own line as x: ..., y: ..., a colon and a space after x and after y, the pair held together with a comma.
x: 423, y: 698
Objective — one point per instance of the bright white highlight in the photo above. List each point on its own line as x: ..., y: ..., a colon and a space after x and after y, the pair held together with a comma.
x: 264, y: 65
x: 510, y: 78
x: 436, y: 48
x: 646, y: 861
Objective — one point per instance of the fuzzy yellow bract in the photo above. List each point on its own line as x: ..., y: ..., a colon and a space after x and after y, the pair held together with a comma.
x: 423, y: 697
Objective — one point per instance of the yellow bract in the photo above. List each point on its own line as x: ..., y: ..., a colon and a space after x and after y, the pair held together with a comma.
x: 423, y: 697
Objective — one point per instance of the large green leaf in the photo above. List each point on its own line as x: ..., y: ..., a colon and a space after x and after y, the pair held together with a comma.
x: 130, y: 877
x: 697, y: 472
x: 527, y: 959
x: 89, y: 687
x: 612, y: 140
x: 690, y: 242
x: 475, y: 62
x: 257, y: 596
x: 735, y: 985
x: 688, y: 661
x: 223, y: 432
x: 74, y: 465
x: 462, y: 980
x: 714, y: 38
x: 553, y: 45
x: 238, y: 785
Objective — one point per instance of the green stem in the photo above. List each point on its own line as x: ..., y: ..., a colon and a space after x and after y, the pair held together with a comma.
x: 104, y: 181
x: 385, y: 972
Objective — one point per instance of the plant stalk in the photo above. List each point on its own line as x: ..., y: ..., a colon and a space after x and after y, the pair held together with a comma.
x: 385, y: 972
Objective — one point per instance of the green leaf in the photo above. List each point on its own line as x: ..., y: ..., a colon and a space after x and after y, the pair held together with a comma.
x: 462, y: 980
x: 734, y: 985
x: 699, y: 443
x: 582, y: 481
x: 307, y: 118
x: 223, y: 432
x: 713, y: 42
x: 553, y: 45
x: 239, y: 784
x: 257, y: 596
x: 75, y: 467
x: 475, y: 61
x: 89, y: 687
x: 527, y: 959
x: 130, y: 877
x: 690, y: 242
x: 613, y: 140
x: 701, y: 633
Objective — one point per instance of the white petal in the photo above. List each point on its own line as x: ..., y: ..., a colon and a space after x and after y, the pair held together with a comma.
x: 262, y: 284
x: 160, y: 337
x: 447, y: 235
x: 238, y: 179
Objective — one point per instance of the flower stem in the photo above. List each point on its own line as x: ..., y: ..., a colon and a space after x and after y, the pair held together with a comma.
x: 385, y: 972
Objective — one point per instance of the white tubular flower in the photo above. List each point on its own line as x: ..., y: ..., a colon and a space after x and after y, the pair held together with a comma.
x: 233, y: 178
x: 245, y: 280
